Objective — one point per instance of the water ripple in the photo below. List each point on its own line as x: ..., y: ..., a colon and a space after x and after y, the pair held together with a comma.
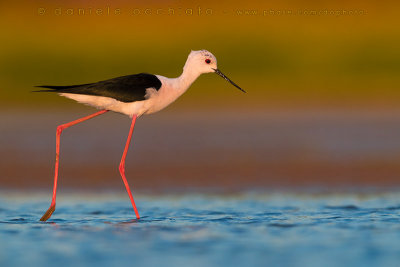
x: 249, y: 230
x: 345, y: 207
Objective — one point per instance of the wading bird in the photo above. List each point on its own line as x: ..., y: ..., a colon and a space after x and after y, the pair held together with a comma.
x: 133, y: 95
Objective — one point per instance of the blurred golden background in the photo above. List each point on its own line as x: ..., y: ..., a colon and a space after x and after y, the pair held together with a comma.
x: 319, y: 54
x: 292, y: 57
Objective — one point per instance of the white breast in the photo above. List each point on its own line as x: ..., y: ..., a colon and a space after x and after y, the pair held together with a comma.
x: 167, y: 94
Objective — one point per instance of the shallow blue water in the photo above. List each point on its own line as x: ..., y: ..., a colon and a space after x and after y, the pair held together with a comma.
x: 248, y: 229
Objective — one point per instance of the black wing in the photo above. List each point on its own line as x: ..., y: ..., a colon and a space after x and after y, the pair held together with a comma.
x: 128, y: 88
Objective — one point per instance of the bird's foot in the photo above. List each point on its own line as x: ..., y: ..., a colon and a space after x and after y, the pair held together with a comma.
x: 48, y: 213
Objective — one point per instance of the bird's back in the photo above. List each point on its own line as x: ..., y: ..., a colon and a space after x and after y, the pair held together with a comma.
x: 128, y: 88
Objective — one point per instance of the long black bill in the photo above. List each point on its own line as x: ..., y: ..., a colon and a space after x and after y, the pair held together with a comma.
x: 217, y: 71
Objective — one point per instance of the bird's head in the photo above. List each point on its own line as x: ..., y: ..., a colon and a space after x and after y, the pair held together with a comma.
x: 203, y: 61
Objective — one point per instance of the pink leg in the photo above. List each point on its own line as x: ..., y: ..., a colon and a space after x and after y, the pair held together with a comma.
x: 60, y: 128
x: 122, y: 166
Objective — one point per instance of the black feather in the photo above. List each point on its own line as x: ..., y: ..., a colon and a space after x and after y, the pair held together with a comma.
x: 128, y: 88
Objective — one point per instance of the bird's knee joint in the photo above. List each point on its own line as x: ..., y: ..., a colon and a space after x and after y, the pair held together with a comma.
x: 122, y: 168
x: 60, y: 128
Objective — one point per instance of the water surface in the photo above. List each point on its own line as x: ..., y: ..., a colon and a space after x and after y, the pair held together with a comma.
x: 248, y: 229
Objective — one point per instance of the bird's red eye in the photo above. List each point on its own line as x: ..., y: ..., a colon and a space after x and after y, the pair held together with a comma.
x: 208, y: 61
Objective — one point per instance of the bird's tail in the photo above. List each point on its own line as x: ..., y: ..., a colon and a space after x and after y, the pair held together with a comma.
x: 59, y: 88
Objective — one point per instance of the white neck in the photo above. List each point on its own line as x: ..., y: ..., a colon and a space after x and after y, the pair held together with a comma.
x: 188, y: 76
x: 173, y: 88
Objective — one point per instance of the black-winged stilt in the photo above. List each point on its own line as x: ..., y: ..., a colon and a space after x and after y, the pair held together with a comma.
x: 133, y: 95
